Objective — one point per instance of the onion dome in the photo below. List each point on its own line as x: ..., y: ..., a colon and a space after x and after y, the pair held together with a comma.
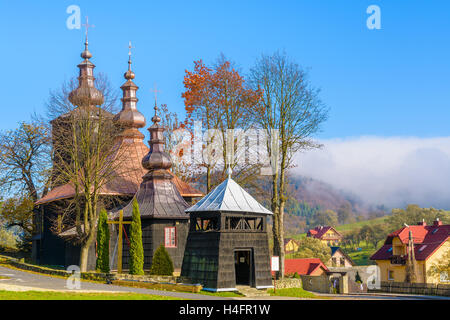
x: 129, y: 117
x: 157, y: 158
x: 86, y: 94
x: 157, y: 196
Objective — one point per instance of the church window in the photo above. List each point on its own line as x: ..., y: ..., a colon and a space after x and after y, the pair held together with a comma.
x: 206, y: 224
x: 243, y: 223
x: 170, y: 237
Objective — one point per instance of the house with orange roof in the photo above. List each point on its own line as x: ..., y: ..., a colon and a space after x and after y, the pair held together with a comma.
x: 326, y: 234
x: 430, y: 243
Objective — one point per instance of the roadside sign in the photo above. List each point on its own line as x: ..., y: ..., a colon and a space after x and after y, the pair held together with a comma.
x: 275, y: 263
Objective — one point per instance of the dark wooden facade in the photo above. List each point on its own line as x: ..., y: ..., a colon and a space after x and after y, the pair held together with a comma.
x: 225, y: 249
x: 153, y: 236
x: 50, y: 247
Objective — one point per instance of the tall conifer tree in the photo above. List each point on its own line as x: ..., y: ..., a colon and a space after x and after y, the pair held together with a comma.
x: 136, y: 247
x: 102, y: 264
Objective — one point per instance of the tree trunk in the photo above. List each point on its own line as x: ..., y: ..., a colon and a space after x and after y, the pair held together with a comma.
x: 278, y: 242
x: 281, y: 226
x: 282, y: 202
x: 208, y: 179
x: 84, y: 252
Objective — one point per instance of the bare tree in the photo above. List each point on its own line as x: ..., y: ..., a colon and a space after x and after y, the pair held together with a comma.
x: 290, y: 112
x: 24, y: 160
x: 24, y: 172
x: 86, y: 155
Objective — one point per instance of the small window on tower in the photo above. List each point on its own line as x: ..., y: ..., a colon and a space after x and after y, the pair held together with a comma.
x: 170, y: 237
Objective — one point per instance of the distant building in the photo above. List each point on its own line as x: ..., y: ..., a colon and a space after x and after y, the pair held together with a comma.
x: 340, y: 259
x: 326, y: 234
x: 309, y: 267
x: 316, y: 276
x: 290, y: 245
x: 430, y: 244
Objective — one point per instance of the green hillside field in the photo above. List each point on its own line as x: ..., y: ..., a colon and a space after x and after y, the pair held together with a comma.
x: 362, y: 256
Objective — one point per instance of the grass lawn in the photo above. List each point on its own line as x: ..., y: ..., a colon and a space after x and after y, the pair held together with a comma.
x: 231, y: 294
x: 361, y: 258
x: 346, y: 227
x: 53, y: 295
x: 293, y: 292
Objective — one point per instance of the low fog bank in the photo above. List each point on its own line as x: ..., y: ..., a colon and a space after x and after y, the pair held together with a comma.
x: 393, y: 171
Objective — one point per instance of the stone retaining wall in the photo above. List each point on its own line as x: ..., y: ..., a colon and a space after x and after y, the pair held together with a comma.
x: 316, y: 283
x: 288, y: 283
x: 433, y: 289
x: 146, y: 278
x: 54, y: 272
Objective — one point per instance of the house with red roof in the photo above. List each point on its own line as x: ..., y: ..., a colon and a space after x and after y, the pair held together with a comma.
x: 326, y: 234
x: 430, y: 243
x: 309, y: 267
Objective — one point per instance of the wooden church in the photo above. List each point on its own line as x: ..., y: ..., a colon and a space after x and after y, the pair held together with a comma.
x: 227, y: 243
x: 220, y: 242
x: 56, y: 247
x: 162, y: 208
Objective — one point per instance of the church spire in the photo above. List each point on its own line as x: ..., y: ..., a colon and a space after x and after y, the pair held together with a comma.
x: 157, y: 158
x: 129, y: 117
x: 86, y: 94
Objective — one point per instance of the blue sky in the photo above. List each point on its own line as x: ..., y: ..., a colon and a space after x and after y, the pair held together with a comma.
x: 389, y: 82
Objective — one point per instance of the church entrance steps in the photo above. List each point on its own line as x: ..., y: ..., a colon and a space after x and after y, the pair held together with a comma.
x: 248, y: 291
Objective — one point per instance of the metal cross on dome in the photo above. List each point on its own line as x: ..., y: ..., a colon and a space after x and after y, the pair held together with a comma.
x: 129, y: 48
x: 155, y: 92
x: 87, y: 26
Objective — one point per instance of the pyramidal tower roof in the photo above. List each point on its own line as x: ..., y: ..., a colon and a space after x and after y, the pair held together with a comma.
x: 229, y: 196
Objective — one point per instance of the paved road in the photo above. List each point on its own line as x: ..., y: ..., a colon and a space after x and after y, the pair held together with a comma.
x: 21, y: 280
x: 38, y: 282
x: 381, y: 297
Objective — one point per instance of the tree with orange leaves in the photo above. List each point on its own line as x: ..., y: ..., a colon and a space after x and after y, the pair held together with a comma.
x: 220, y: 99
x: 177, y: 144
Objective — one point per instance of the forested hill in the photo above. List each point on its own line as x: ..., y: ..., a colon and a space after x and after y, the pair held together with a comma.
x: 319, y: 194
x: 312, y: 202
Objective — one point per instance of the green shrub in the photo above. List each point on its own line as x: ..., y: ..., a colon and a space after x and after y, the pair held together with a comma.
x: 136, y: 247
x: 161, y: 264
x: 102, y: 263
